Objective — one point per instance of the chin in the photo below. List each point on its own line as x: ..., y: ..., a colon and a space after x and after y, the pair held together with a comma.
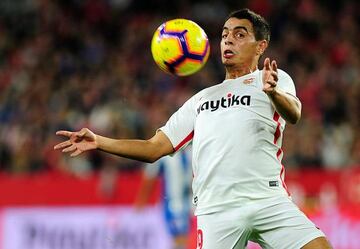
x: 228, y: 63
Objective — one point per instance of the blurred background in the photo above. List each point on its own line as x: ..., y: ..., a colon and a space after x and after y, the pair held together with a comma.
x: 69, y: 64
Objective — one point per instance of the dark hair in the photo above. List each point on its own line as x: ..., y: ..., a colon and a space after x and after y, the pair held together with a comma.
x: 260, y: 25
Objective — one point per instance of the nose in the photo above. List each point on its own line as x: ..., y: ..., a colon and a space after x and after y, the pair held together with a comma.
x: 228, y: 40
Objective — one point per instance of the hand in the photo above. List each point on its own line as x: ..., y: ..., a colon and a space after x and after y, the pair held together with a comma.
x: 78, y: 142
x: 270, y: 76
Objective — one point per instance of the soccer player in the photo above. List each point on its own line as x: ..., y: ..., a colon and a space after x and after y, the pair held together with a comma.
x: 176, y: 177
x: 236, y: 128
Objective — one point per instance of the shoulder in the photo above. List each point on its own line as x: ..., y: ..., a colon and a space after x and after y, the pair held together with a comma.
x: 281, y: 74
x: 207, y: 91
x: 286, y: 83
x: 192, y: 101
x: 284, y: 75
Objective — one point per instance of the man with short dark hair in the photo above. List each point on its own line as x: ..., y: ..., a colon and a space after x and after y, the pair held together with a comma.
x: 236, y: 129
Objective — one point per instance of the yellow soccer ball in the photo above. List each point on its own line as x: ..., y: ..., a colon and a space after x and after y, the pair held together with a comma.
x: 180, y: 47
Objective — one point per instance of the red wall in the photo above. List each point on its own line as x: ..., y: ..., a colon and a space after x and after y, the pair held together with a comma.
x: 62, y: 189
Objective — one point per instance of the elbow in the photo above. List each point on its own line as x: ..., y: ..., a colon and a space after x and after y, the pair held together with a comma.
x: 294, y: 119
x: 156, y: 156
x: 156, y: 149
x: 151, y: 159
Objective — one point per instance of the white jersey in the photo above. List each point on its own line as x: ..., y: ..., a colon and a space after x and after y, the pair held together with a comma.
x: 236, y: 140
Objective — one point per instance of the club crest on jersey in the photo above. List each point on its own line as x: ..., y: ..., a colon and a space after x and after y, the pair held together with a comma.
x: 224, y: 102
x: 248, y: 81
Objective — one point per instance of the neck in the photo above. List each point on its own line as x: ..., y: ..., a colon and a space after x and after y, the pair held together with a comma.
x: 235, y: 71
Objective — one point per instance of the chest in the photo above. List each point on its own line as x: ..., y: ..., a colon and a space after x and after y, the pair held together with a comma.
x: 247, y: 100
x: 234, y: 114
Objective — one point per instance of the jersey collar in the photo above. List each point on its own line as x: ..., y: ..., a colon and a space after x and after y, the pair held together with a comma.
x: 246, y: 79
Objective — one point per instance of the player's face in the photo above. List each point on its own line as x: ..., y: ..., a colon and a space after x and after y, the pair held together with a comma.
x: 238, y: 43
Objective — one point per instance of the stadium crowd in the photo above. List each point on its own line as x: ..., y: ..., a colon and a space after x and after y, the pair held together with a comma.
x: 70, y: 64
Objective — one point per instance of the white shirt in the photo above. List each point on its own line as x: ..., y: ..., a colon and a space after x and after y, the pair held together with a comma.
x: 236, y: 138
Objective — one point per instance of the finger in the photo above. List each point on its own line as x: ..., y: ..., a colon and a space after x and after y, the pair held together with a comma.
x: 274, y: 75
x: 76, y: 153
x: 69, y: 149
x: 274, y: 65
x: 62, y: 145
x: 81, y: 133
x: 267, y: 64
x: 272, y: 83
x: 267, y: 88
x: 64, y: 133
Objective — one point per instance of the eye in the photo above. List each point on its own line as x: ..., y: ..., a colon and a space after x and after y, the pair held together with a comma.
x: 223, y: 36
x: 240, y: 35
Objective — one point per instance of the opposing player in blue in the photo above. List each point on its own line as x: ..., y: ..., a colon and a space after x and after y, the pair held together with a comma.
x: 176, y: 176
x: 236, y: 128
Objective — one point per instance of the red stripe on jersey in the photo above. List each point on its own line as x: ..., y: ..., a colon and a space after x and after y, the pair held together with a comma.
x: 282, y: 171
x: 185, y: 140
x: 277, y: 131
x: 279, y: 152
x: 199, y: 239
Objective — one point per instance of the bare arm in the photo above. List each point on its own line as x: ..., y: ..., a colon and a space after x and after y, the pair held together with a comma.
x: 287, y: 105
x: 143, y: 150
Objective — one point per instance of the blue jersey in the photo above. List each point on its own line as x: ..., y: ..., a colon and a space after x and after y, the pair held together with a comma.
x: 176, y: 173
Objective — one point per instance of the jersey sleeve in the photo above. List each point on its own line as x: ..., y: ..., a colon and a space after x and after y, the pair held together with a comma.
x: 180, y: 127
x: 286, y: 83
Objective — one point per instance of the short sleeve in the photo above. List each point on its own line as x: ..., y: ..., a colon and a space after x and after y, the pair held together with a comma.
x: 180, y: 127
x: 286, y: 83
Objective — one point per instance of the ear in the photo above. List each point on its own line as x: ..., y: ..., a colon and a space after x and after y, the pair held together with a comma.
x: 261, y: 47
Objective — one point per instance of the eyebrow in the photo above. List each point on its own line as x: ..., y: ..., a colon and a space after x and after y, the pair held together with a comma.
x: 237, y: 27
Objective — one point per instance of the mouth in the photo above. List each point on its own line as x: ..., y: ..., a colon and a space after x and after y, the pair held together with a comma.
x: 228, y: 54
